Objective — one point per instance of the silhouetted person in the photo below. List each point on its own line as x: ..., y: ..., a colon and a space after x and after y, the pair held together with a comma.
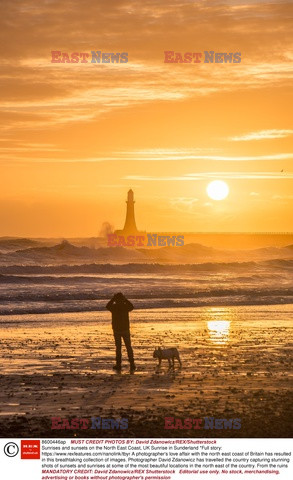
x: 120, y: 307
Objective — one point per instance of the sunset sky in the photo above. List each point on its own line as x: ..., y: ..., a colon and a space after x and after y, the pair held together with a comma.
x: 75, y: 137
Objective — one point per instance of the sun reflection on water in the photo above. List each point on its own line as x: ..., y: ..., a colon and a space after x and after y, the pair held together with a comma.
x: 219, y: 331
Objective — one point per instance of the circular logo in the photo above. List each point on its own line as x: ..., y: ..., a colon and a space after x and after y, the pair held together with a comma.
x: 11, y: 449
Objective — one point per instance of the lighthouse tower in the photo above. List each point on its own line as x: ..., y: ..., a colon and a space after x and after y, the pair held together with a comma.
x: 130, y: 225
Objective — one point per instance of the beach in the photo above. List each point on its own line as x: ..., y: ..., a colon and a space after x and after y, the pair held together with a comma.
x: 235, y: 365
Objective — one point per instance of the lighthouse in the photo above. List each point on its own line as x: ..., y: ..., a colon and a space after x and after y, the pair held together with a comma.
x: 130, y: 225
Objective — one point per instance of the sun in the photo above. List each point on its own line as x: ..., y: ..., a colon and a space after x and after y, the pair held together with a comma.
x: 217, y: 190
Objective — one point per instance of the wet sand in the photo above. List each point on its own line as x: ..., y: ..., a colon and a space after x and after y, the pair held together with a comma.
x: 236, y: 364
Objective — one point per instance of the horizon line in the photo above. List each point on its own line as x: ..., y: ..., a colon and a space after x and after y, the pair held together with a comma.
x: 149, y: 232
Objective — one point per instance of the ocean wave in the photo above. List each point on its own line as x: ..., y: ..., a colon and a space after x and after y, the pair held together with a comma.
x: 147, y: 294
x: 67, y: 279
x: 82, y: 288
x: 142, y: 304
x: 105, y: 268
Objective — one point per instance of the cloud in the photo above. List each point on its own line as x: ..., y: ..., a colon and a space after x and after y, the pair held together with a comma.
x: 143, y: 157
x: 55, y: 94
x: 186, y: 202
x: 193, y: 154
x: 36, y: 93
x: 262, y: 135
x: 28, y: 147
x: 282, y: 197
x: 213, y: 175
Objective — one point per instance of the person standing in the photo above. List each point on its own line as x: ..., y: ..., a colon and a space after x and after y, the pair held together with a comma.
x: 120, y: 307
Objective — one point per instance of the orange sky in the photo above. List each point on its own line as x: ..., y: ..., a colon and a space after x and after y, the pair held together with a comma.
x: 75, y: 137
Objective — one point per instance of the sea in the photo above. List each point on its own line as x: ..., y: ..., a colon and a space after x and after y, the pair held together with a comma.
x: 27, y: 290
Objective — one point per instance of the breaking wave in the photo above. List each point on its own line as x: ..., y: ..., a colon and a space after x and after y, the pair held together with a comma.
x: 81, y: 288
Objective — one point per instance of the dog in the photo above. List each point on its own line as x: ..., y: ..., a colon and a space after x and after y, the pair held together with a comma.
x: 167, y: 354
